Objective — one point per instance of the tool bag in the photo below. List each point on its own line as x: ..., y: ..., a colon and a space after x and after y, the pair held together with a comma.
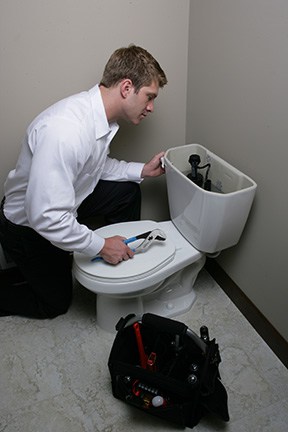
x: 163, y: 368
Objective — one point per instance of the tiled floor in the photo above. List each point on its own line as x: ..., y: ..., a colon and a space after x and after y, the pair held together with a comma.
x: 54, y: 375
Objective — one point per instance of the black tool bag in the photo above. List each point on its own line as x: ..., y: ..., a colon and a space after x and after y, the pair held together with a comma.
x: 162, y: 367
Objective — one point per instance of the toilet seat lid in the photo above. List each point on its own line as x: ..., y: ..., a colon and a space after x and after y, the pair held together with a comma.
x: 158, y: 255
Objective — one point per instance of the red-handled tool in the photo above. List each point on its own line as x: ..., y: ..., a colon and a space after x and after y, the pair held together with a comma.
x: 142, y: 354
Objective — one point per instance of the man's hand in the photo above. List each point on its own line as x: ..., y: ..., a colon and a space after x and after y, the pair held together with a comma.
x: 153, y: 168
x: 115, y: 250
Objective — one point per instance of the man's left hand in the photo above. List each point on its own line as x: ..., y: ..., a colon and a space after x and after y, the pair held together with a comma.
x: 153, y: 168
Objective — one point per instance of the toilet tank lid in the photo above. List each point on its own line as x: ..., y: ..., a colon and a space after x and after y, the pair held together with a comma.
x: 142, y: 264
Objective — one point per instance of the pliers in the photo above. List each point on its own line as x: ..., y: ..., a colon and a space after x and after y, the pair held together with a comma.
x: 149, y: 237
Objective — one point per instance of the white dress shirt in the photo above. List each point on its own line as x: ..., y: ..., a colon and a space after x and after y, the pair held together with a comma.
x: 64, y: 154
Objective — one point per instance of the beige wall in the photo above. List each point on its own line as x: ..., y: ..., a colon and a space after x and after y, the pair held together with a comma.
x: 238, y: 108
x: 51, y: 49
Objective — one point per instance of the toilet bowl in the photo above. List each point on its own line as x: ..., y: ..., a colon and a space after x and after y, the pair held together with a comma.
x: 161, y: 279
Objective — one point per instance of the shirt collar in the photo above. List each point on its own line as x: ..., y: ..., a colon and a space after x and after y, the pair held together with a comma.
x: 102, y: 127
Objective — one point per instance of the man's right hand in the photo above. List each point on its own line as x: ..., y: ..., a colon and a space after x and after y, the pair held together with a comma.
x: 115, y: 250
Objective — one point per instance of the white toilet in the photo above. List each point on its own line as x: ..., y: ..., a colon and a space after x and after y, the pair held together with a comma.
x: 161, y: 279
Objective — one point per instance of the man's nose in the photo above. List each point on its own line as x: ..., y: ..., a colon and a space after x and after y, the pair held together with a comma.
x: 150, y: 106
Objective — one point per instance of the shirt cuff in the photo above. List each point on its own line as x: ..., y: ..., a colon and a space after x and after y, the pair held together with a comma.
x: 95, y: 246
x: 134, y: 171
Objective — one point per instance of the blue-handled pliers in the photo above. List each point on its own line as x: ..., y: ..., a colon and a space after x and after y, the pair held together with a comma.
x: 149, y: 237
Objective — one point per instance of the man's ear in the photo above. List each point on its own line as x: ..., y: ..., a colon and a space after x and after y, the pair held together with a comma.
x: 126, y: 87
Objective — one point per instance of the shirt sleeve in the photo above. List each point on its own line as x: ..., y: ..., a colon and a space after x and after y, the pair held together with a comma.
x: 122, y: 171
x: 50, y: 196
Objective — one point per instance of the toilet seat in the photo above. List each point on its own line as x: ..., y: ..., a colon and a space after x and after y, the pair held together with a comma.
x: 146, y: 269
x: 143, y: 264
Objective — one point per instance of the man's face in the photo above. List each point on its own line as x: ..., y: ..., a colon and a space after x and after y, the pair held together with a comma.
x: 139, y: 105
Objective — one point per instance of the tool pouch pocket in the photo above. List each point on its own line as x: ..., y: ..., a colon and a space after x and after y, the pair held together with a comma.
x: 163, y: 368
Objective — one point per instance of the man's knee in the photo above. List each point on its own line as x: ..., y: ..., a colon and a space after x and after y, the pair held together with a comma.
x: 129, y: 204
x: 134, y: 191
x: 56, y: 301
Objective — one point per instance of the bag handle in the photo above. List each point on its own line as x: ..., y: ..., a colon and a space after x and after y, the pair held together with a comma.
x: 129, y: 319
x: 173, y: 327
x: 164, y: 324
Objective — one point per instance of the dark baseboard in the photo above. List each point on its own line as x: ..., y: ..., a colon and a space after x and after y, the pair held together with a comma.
x: 263, y: 327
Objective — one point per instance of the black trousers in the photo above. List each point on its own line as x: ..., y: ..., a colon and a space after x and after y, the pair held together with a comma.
x: 41, y: 286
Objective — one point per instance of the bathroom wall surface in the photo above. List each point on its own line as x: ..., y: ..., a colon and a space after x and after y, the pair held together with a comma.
x: 237, y: 107
x: 51, y: 49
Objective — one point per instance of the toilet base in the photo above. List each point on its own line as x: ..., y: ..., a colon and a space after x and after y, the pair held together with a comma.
x: 173, y: 296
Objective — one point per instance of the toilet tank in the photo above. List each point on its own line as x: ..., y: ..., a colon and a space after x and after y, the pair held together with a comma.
x: 210, y: 220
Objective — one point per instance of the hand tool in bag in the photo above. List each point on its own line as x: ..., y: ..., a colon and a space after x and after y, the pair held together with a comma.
x: 148, y: 237
x: 146, y: 362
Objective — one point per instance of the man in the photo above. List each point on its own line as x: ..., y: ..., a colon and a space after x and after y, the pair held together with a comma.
x: 64, y: 175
